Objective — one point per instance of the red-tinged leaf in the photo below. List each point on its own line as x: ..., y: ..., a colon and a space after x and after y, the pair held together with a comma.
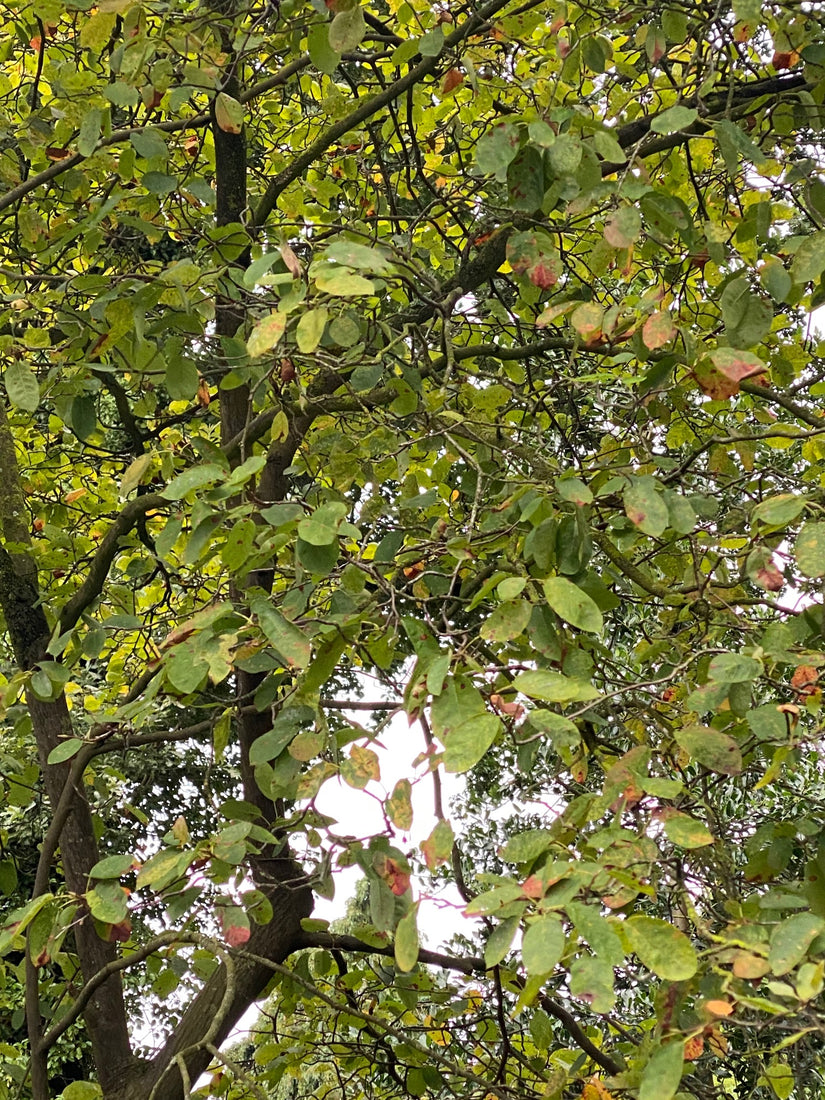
x: 452, y: 80
x: 587, y: 320
x: 623, y: 228
x: 805, y: 679
x: 534, y: 255
x: 438, y: 846
x: 228, y: 113
x: 292, y: 262
x: 235, y: 925
x: 720, y: 373
x: 57, y: 153
x: 391, y: 871
x: 120, y: 932
x: 658, y: 330
x: 534, y: 887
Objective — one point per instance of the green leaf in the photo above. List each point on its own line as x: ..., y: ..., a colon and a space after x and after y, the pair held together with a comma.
x: 321, y: 54
x: 164, y: 868
x: 65, y: 750
x: 716, y: 751
x: 809, y: 259
x: 645, y: 506
x: 662, y: 948
x: 663, y: 1073
x: 791, y: 939
x: 346, y: 30
x: 310, y: 329
x: 21, y: 386
x: 674, y: 119
x: 149, y: 143
x: 500, y: 941
x: 266, y: 334
x: 323, y: 527
x: 684, y: 830
x: 507, y: 621
x: 360, y: 257
x: 107, y: 902
x: 89, y: 131
x: 809, y: 550
x: 406, y: 942
x: 496, y: 149
x: 747, y: 317
x: 553, y: 687
x: 527, y: 846
x: 465, y: 744
x: 341, y: 283
x: 196, y: 477
x: 291, y: 643
x: 779, y: 510
x: 573, y: 605
x: 113, y: 866
x: 591, y: 981
x: 542, y: 945
x: 734, y: 668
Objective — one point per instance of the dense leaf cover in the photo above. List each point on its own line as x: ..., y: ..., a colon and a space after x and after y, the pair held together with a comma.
x: 421, y: 382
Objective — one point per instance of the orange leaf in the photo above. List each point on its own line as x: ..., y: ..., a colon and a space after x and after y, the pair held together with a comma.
x: 451, y: 81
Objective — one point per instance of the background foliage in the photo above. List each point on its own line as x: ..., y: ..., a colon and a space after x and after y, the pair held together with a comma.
x: 422, y: 382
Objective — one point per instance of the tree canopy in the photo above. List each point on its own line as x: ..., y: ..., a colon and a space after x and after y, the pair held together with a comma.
x: 429, y: 380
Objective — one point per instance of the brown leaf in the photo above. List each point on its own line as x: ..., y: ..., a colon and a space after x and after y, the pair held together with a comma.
x: 452, y: 80
x: 804, y: 680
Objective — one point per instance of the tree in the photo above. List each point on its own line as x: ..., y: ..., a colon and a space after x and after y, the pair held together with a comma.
x: 454, y: 363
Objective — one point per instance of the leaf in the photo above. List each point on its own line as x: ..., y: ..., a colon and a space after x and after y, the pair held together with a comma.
x: 747, y: 317
x: 438, y: 846
x: 720, y: 373
x: 65, y: 750
x: 645, y: 506
x: 134, y: 473
x: 791, y: 939
x: 310, y: 329
x: 228, y: 113
x: 21, y: 386
x: 360, y: 767
x: 623, y: 228
x: 674, y: 119
x: 399, y: 805
x: 266, y: 334
x: 663, y: 1073
x: 591, y: 981
x: 342, y: 283
x: 663, y: 949
x: 347, y: 29
x: 553, y: 687
x: 465, y: 744
x: 406, y: 942
x: 113, y: 866
x: 809, y: 550
x: 196, y: 477
x: 684, y: 830
x: 507, y: 621
x: 573, y: 604
x: 500, y: 941
x: 323, y: 526
x: 534, y: 255
x: 809, y: 259
x: 716, y: 751
x: 779, y: 510
x: 658, y: 329
x: 734, y: 668
x: 360, y: 257
x: 291, y: 643
x: 496, y: 149
x: 542, y: 945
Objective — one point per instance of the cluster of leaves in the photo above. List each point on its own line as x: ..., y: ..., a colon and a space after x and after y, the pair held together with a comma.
x: 427, y: 383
